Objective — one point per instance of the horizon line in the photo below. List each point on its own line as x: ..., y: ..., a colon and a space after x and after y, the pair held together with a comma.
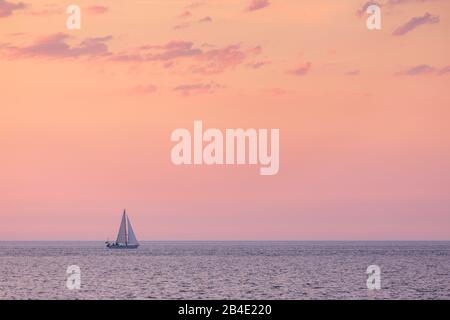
x: 242, y: 240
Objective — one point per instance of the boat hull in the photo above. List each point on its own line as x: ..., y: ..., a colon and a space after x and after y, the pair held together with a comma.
x: 130, y: 246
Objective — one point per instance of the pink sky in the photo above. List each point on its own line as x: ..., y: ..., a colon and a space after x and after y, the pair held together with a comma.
x: 86, y: 117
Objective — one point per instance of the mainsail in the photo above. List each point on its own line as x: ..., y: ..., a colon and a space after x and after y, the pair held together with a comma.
x: 131, y: 236
x: 122, y: 236
x: 126, y: 239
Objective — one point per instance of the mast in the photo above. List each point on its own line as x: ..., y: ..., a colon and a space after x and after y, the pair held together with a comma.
x: 126, y: 227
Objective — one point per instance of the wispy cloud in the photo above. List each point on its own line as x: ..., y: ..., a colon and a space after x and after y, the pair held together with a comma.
x: 180, y: 26
x: 414, y: 23
x: 257, y: 5
x: 57, y: 46
x: 205, y: 19
x: 184, y: 14
x: 7, y: 8
x: 399, y: 2
x: 352, y: 73
x: 187, y: 90
x: 444, y: 70
x: 169, y: 51
x: 218, y: 60
x: 424, y: 69
x: 96, y: 10
x: 301, y: 70
x: 203, y: 59
x: 417, y: 70
x: 46, y: 11
x: 363, y: 9
x: 194, y: 5
x: 200, y: 59
x: 257, y: 64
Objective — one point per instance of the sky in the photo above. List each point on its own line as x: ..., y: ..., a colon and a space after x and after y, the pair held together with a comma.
x: 86, y: 117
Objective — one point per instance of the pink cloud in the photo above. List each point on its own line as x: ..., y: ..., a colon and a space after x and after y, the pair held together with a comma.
x: 220, y: 59
x: 184, y: 14
x: 414, y: 23
x: 424, y: 69
x: 257, y: 64
x: 205, y: 59
x: 96, y: 10
x: 205, y: 19
x: 399, y: 2
x: 195, y: 5
x: 444, y: 70
x: 46, y: 12
x: 56, y: 46
x: 172, y: 50
x: 181, y: 26
x: 363, y: 9
x: 165, y: 53
x: 197, y: 88
x: 301, y: 70
x: 352, y: 73
x: 7, y: 8
x: 417, y: 70
x: 257, y: 5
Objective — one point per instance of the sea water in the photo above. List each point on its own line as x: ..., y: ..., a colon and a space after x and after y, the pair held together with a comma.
x: 226, y: 270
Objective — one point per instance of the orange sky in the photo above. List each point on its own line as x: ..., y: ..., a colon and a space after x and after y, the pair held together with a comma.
x: 86, y: 117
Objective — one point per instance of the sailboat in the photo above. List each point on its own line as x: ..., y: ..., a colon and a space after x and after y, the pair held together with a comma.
x: 126, y: 239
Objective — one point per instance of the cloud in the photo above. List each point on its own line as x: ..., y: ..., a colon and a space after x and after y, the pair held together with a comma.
x: 399, y: 2
x: 181, y: 26
x: 204, y: 59
x: 414, y: 23
x: 56, y: 46
x: 184, y: 55
x: 165, y: 53
x: 444, y: 70
x: 197, y: 88
x: 417, y: 70
x: 257, y: 5
x: 96, y: 10
x: 301, y: 70
x: 171, y: 50
x: 184, y: 14
x: 7, y: 8
x: 424, y: 69
x: 257, y: 64
x: 352, y: 73
x: 363, y: 9
x: 218, y: 60
x: 194, y: 5
x: 205, y: 19
x: 46, y: 12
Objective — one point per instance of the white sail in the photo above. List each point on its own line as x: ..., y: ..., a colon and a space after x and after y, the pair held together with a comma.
x: 122, y: 235
x: 131, y: 236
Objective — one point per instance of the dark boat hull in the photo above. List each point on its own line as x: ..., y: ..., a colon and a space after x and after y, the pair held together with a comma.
x: 129, y: 246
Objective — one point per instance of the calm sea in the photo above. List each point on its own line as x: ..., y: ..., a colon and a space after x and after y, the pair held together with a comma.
x: 226, y: 270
